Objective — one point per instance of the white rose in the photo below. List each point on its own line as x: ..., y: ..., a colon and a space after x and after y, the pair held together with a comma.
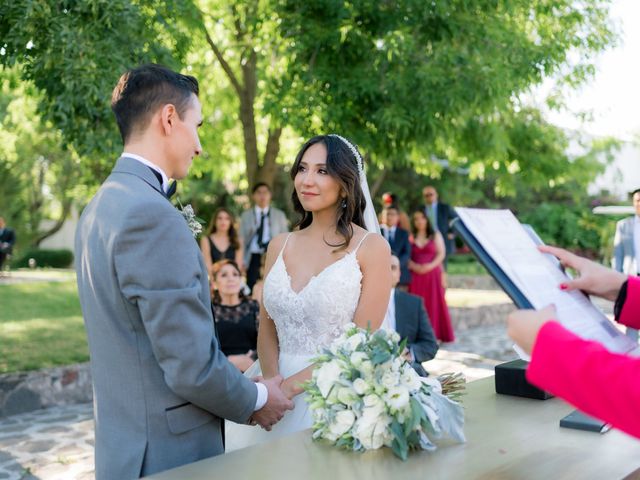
x: 328, y: 374
x: 372, y: 431
x: 411, y: 380
x: 366, y: 369
x: 342, y: 423
x: 360, y: 386
x: 357, y: 358
x: 347, y: 396
x: 373, y: 406
x: 354, y: 341
x: 397, y: 398
x: 389, y: 379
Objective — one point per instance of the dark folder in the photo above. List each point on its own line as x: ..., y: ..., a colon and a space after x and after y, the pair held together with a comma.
x: 510, y: 376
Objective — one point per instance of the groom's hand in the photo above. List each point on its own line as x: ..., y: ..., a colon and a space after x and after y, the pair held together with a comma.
x: 276, y: 406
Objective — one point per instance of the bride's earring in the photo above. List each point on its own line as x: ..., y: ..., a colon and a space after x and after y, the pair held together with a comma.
x: 344, y: 204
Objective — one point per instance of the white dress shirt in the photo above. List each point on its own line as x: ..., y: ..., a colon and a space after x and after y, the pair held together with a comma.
x: 389, y: 322
x: 263, y: 393
x: 266, y: 234
x: 151, y: 165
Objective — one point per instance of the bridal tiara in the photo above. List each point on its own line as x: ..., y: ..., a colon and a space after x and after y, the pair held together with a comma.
x: 354, y: 150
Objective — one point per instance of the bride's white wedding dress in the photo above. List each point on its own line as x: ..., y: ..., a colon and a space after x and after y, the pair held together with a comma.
x: 305, y: 322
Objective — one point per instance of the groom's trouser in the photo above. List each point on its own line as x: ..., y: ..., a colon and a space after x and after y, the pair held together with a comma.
x: 253, y: 271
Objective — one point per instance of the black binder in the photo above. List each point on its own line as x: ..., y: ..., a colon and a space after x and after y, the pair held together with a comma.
x: 509, y: 376
x: 489, y: 263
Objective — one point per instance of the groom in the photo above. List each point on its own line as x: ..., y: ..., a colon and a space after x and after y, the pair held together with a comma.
x: 161, y: 384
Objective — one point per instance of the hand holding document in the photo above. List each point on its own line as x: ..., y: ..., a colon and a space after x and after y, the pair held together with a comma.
x: 532, y: 278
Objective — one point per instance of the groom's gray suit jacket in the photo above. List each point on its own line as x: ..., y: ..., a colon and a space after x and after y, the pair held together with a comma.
x: 161, y: 383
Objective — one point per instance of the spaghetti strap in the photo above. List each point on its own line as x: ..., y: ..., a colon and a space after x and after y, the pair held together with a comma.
x: 360, y: 243
x: 285, y: 244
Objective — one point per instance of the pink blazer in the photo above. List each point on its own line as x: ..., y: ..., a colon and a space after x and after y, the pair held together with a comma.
x: 600, y: 383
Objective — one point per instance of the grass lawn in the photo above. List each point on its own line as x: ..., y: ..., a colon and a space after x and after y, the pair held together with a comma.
x: 40, y: 326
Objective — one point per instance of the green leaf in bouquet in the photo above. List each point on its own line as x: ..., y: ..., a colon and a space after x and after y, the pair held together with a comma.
x: 380, y: 356
x: 417, y: 413
x: 399, y: 444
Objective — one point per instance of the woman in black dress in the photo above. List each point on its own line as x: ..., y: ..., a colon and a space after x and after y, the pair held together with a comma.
x: 221, y: 239
x: 235, y: 316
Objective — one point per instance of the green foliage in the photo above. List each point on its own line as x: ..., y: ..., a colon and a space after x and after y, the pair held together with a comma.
x: 45, y: 258
x: 407, y: 80
x: 41, y: 326
x: 74, y: 53
x: 428, y: 77
x: 38, y: 177
x: 572, y: 227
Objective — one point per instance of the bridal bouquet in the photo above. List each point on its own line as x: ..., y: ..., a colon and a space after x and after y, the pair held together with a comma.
x: 363, y: 395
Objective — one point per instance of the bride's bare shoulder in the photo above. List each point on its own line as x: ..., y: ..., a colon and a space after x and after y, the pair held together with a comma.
x: 371, y: 244
x: 277, y: 242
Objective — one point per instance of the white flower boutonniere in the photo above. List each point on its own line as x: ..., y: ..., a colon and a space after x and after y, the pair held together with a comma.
x: 193, y: 222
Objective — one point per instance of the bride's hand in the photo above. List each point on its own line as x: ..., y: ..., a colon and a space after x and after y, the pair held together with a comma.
x: 288, y: 389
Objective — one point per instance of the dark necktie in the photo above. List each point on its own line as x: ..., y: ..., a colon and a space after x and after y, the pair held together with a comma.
x: 261, y: 243
x: 172, y: 186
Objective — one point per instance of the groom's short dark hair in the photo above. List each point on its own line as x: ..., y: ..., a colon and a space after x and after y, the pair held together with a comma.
x: 142, y: 90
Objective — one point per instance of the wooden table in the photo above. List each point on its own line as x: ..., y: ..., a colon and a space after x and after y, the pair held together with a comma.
x: 507, y: 438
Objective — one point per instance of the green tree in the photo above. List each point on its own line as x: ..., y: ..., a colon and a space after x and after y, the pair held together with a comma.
x: 407, y: 79
x: 37, y: 172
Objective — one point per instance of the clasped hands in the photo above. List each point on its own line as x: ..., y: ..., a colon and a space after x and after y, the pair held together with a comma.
x: 524, y: 325
x: 278, y: 402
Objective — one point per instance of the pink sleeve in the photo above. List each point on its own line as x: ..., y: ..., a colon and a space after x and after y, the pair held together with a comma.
x: 585, y: 374
x: 630, y: 315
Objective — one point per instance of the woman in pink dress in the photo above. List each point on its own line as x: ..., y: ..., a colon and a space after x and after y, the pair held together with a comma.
x: 427, y: 255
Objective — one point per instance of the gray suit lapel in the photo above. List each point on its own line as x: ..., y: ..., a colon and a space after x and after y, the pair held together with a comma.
x: 130, y: 166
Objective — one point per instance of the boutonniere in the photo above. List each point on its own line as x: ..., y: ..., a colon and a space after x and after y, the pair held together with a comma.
x: 194, y: 223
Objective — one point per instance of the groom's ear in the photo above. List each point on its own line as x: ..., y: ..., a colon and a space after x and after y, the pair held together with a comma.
x: 168, y: 116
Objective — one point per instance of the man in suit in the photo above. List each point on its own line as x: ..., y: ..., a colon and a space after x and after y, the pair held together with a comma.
x: 161, y: 384
x: 258, y: 226
x: 626, y: 247
x: 440, y: 216
x: 7, y: 240
x: 407, y: 316
x: 398, y: 239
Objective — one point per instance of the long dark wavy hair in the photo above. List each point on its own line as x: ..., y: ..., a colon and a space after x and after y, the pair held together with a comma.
x: 233, y: 234
x: 342, y: 165
x: 430, y: 231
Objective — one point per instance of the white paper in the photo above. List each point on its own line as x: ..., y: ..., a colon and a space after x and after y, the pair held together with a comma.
x: 538, y: 276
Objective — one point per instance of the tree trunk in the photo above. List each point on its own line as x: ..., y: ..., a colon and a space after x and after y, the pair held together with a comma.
x: 247, y: 117
x: 66, y: 209
x: 268, y: 169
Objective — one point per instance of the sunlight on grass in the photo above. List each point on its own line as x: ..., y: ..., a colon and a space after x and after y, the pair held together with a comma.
x: 40, y: 326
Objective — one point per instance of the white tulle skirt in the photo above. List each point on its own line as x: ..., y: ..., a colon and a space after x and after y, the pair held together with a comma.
x: 241, y: 436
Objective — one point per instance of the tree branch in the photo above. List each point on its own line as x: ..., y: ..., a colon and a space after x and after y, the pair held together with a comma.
x: 225, y: 66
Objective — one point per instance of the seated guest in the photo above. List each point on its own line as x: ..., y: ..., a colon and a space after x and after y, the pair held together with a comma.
x: 398, y: 239
x: 221, y: 239
x: 7, y: 240
x: 407, y: 316
x: 235, y: 316
x: 598, y: 382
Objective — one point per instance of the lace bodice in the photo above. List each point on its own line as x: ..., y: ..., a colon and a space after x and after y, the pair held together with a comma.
x: 311, y: 318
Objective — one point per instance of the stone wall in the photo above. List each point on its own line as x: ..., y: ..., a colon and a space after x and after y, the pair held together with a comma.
x: 27, y: 391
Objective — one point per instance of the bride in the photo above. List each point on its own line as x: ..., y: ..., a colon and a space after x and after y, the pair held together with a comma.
x: 332, y: 271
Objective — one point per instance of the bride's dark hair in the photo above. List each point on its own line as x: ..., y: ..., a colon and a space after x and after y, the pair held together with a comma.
x: 343, y: 166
